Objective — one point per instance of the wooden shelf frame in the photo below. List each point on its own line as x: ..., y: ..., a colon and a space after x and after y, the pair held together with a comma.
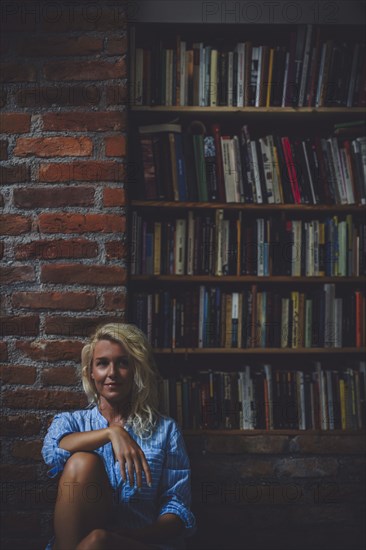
x: 173, y: 13
x: 189, y: 109
x: 275, y: 432
x: 212, y: 279
x: 260, y: 351
x: 268, y: 208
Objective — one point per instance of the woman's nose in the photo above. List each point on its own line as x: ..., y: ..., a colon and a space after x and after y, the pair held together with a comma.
x: 112, y: 369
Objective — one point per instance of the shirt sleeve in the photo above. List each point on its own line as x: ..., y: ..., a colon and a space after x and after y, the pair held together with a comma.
x: 52, y: 453
x: 175, y: 484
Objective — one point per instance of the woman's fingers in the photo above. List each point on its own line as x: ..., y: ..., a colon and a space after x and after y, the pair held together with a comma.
x: 138, y: 470
x: 130, y: 470
x: 122, y: 464
x: 146, y: 469
x: 130, y: 456
x: 135, y: 463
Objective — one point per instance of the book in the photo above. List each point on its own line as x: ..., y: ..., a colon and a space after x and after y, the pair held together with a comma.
x: 180, y: 247
x: 213, y: 78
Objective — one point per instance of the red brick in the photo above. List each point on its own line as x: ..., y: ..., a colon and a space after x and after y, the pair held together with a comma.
x: 4, y: 44
x: 3, y: 149
x: 69, y: 301
x: 83, y: 274
x: 26, y: 449
x: 17, y: 374
x: 54, y: 147
x: 12, y: 224
x: 60, y: 45
x: 85, y: 70
x: 116, y: 250
x: 17, y: 472
x: 14, y: 72
x: 115, y: 146
x: 17, y: 274
x: 14, y: 123
x: 60, y: 376
x: 83, y: 17
x: 73, y: 95
x: 81, y: 223
x: 117, y: 45
x: 20, y: 425
x: 51, y: 250
x: 19, y: 325
x: 117, y: 94
x: 307, y: 467
x: 85, y: 122
x: 42, y: 399
x: 329, y: 444
x: 3, y: 98
x: 259, y: 444
x: 39, y: 197
x: 81, y: 171
x: 55, y: 350
x: 18, y: 20
x: 114, y: 301
x: 255, y: 468
x: 75, y: 326
x: 14, y: 174
x: 114, y: 197
x: 3, y: 351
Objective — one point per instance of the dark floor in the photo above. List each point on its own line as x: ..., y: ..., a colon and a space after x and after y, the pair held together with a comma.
x: 313, y: 538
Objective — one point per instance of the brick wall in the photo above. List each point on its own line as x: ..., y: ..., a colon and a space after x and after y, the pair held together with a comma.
x: 63, y: 147
x: 278, y: 492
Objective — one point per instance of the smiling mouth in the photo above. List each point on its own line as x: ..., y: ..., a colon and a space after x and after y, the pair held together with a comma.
x: 112, y: 385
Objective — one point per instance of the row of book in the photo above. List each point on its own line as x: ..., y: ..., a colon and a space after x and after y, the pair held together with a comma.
x: 309, y: 70
x: 211, y: 317
x: 233, y: 243
x: 194, y: 165
x: 265, y: 397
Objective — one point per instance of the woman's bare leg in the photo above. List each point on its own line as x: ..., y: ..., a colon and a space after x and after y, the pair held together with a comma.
x: 100, y: 539
x: 84, y: 500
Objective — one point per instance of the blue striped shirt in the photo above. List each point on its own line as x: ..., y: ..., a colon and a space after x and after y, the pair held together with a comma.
x: 166, y: 455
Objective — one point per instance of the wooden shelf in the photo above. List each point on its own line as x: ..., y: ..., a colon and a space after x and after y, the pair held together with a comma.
x: 248, y: 110
x: 275, y: 432
x: 245, y: 279
x: 302, y: 122
x: 260, y: 351
x: 333, y: 208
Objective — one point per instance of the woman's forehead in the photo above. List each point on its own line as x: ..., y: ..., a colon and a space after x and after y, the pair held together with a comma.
x: 109, y: 347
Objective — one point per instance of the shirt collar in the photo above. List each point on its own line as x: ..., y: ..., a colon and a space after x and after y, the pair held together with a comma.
x: 99, y: 418
x: 101, y: 421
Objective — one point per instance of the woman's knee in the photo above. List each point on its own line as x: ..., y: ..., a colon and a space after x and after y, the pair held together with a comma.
x: 96, y: 539
x: 82, y: 466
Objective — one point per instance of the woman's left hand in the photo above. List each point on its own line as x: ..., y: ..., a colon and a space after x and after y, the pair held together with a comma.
x: 129, y: 453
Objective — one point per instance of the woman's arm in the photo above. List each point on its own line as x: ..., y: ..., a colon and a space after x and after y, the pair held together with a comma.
x: 175, y: 482
x: 126, y: 450
x: 85, y: 441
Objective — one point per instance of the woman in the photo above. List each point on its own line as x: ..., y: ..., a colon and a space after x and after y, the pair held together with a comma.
x: 125, y: 480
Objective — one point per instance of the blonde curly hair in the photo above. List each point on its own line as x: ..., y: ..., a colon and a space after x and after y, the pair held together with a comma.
x: 144, y: 398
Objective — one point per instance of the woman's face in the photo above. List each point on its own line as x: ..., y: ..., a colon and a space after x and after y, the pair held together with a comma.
x: 112, y: 372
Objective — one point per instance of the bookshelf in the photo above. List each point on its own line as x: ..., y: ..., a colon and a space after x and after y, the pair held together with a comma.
x: 177, y: 302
